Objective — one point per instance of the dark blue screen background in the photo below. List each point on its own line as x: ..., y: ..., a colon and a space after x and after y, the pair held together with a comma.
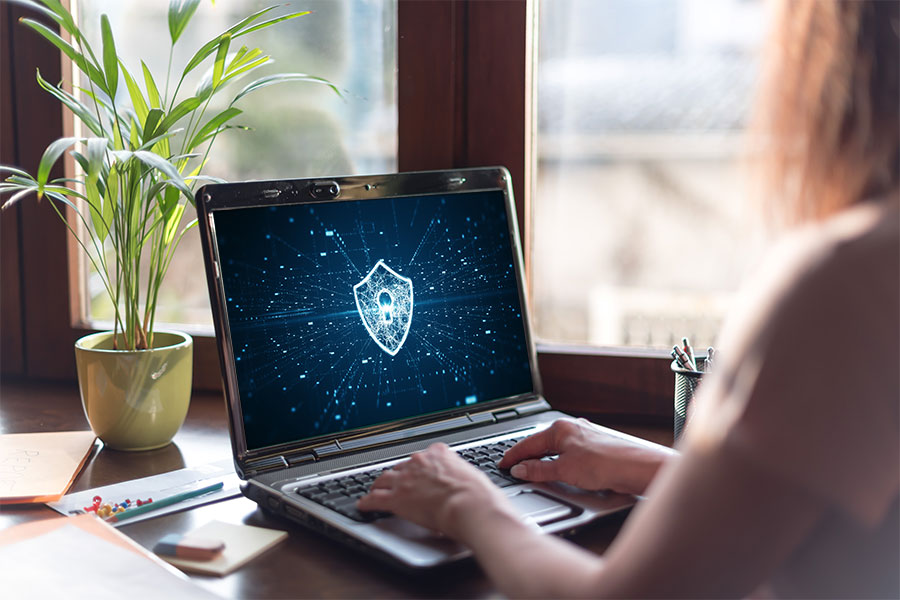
x: 307, y: 366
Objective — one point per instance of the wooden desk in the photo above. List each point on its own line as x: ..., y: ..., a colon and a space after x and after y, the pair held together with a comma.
x: 305, y: 565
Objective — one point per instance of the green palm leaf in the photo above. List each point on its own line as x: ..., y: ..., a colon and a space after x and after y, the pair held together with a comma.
x: 151, y: 159
x: 51, y: 155
x: 110, y: 58
x: 80, y: 110
x: 180, y: 13
x: 280, y: 78
x: 212, y: 125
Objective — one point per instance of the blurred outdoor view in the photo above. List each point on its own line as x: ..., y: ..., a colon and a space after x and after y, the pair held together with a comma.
x: 299, y: 129
x: 642, y: 232
x: 641, y: 229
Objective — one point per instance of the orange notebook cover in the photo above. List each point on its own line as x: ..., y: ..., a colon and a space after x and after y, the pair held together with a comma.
x: 88, y: 523
x: 40, y: 467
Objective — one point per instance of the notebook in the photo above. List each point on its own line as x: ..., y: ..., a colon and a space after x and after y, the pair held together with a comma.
x: 360, y: 319
x: 40, y: 467
x: 243, y: 543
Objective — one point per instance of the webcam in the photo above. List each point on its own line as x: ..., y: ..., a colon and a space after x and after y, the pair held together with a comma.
x: 324, y: 190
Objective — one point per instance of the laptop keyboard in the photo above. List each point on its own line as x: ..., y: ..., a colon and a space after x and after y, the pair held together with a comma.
x: 340, y: 494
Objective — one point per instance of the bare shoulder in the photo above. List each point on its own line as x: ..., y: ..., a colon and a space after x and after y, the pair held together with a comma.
x: 845, y: 275
x: 861, y: 242
x: 834, y: 283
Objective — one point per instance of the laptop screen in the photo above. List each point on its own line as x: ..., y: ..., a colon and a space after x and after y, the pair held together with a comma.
x: 354, y: 313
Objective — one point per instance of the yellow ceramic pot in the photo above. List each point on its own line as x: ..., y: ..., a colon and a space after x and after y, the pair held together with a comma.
x: 135, y: 400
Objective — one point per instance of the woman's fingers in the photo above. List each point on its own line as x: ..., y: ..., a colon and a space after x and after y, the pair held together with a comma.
x: 536, y: 470
x: 376, y: 499
x: 537, y: 445
x: 385, y: 480
x: 542, y: 443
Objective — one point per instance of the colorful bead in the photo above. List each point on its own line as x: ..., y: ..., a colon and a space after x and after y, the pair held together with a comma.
x: 96, y: 504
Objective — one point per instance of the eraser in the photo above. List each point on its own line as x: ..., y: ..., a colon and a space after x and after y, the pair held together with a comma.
x: 191, y: 548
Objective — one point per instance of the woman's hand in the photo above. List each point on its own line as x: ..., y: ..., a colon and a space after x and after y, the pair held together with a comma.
x: 588, y: 457
x: 436, y: 489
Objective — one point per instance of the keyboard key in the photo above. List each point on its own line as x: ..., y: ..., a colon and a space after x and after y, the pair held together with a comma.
x: 335, y: 495
x: 357, y: 491
x: 340, y: 504
x: 501, y: 481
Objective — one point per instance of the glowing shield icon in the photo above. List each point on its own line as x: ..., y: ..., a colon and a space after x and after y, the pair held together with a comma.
x: 384, y: 299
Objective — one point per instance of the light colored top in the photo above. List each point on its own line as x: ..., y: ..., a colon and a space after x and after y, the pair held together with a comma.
x: 808, y: 391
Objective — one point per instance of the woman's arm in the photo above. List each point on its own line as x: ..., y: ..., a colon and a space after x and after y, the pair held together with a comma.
x: 713, y: 525
x: 439, y: 490
x: 587, y: 457
x: 523, y: 562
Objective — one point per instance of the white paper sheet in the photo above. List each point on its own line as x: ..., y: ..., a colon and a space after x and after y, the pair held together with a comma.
x: 158, y: 487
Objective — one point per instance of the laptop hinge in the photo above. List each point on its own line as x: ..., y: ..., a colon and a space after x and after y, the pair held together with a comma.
x: 533, y: 407
x: 505, y: 415
x: 521, y: 410
x: 327, y: 450
x: 273, y: 463
x: 298, y: 459
x: 485, y: 417
x: 255, y: 466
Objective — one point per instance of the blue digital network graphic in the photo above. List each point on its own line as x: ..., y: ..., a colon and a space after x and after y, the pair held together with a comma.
x: 325, y: 334
x: 384, y: 300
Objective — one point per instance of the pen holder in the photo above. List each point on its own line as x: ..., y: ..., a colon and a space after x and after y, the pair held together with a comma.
x: 686, y: 383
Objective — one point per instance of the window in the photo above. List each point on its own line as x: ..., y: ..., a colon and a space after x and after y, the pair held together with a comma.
x: 463, y: 73
x: 298, y: 130
x: 642, y: 106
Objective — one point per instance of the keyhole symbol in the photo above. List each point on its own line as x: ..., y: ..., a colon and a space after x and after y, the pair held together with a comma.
x: 386, y: 302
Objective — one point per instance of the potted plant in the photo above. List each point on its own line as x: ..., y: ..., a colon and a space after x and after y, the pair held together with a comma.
x: 146, y: 151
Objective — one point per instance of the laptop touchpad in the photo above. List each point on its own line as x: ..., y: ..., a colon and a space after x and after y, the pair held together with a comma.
x: 540, y: 508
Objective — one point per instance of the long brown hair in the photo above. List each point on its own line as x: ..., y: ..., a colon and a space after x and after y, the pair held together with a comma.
x: 829, y: 110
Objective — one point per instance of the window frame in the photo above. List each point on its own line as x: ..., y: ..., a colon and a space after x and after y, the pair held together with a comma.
x: 476, y: 112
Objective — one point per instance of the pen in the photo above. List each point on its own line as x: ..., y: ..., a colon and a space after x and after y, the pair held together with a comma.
x: 710, y: 352
x: 677, y: 359
x: 677, y: 354
x: 682, y: 359
x: 175, y: 499
x: 689, y: 352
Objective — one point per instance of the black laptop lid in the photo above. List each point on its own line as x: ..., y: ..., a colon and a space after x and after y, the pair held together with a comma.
x: 351, y: 304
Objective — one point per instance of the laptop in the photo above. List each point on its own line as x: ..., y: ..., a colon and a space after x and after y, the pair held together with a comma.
x: 360, y: 319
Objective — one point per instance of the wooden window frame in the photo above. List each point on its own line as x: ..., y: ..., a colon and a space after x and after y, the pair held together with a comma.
x: 464, y: 99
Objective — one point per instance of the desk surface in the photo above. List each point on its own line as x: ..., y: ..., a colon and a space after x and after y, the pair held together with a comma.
x: 305, y: 565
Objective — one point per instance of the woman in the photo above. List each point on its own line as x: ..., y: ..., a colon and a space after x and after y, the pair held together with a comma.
x: 787, y: 478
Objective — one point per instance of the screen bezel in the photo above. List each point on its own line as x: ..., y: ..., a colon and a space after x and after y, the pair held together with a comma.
x: 211, y: 199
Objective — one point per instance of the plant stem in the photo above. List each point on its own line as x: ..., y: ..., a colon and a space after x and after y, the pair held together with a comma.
x: 168, y: 76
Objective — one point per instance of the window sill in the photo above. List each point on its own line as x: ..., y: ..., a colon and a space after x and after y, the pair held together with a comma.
x: 594, y: 381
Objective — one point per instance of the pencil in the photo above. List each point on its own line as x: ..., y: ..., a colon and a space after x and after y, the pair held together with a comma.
x: 690, y: 353
x: 175, y: 499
